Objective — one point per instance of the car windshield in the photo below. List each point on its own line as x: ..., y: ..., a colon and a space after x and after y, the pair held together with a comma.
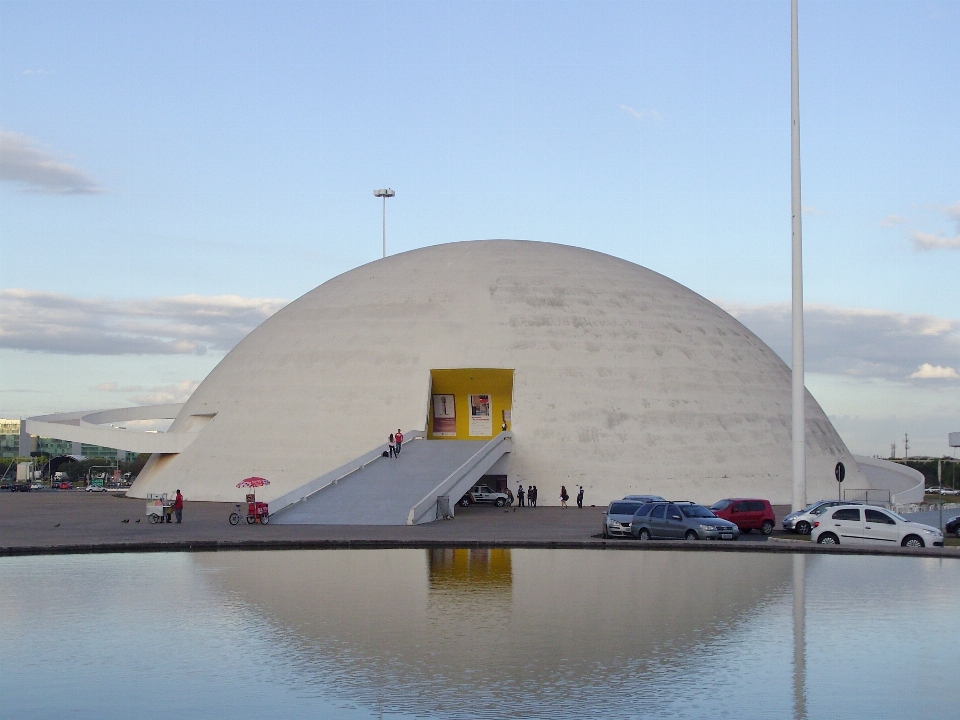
x: 722, y: 505
x: 644, y: 510
x: 901, y: 518
x: 822, y: 509
x: 624, y: 508
x: 696, y: 511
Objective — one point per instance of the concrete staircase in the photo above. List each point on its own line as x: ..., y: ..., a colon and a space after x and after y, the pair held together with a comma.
x: 395, y: 491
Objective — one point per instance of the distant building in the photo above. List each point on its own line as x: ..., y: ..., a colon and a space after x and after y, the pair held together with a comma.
x: 16, y: 442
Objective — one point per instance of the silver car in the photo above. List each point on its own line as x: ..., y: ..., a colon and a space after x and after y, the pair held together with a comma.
x: 680, y: 521
x: 801, y: 521
x: 618, y: 517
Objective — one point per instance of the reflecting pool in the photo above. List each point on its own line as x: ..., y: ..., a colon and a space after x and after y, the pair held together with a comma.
x: 478, y: 634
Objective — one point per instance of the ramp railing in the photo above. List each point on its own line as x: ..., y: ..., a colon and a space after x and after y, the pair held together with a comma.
x: 472, y: 470
x: 334, y: 476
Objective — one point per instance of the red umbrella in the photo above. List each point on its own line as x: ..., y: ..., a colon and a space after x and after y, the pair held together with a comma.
x: 252, y: 482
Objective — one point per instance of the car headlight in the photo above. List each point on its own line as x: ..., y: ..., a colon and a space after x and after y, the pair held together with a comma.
x: 708, y: 527
x: 931, y: 531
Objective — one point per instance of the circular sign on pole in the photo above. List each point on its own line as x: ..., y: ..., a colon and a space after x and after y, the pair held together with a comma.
x: 840, y: 471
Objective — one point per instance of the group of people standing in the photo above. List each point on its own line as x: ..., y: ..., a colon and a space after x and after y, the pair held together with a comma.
x: 395, y: 441
x: 526, y: 498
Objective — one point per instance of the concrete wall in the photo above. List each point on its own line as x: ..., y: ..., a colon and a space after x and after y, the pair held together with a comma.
x: 624, y: 381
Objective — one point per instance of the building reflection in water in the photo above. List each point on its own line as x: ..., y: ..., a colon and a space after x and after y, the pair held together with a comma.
x: 552, y: 630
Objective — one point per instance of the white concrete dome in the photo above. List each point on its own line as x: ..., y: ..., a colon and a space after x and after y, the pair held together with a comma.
x: 623, y: 381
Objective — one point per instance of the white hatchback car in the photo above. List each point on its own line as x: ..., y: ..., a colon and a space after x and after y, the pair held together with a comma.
x: 868, y: 525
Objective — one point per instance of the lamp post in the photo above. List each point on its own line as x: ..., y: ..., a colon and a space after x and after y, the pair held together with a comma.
x: 384, y: 193
x: 799, y: 499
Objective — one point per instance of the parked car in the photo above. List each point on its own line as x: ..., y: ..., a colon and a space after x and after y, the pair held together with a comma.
x: 483, y: 494
x: 801, y: 521
x: 747, y: 514
x: 95, y: 488
x: 22, y: 487
x: 65, y: 486
x: 953, y: 526
x: 6, y: 486
x: 645, y: 498
x: 680, y: 520
x: 37, y: 486
x: 869, y: 525
x: 619, y: 515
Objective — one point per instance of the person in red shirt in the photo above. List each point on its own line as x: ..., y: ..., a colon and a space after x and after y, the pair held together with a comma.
x: 178, y: 506
x: 398, y: 439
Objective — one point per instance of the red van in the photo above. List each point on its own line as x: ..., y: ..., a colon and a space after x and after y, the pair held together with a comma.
x: 747, y: 513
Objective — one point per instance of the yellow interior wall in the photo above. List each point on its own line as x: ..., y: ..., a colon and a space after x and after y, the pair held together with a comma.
x: 463, y: 382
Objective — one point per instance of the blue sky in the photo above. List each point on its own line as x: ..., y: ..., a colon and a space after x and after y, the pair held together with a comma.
x: 227, y: 153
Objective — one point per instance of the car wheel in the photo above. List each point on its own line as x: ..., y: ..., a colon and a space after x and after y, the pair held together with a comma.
x: 912, y: 541
x: 803, y: 528
x: 828, y: 539
x: 644, y: 534
x: 767, y: 527
x: 500, y: 502
x: 606, y: 535
x: 234, y: 518
x: 691, y: 535
x: 464, y: 502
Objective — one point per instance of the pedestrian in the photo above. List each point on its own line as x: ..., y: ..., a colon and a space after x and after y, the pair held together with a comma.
x: 509, y: 495
x: 520, y: 496
x: 398, y: 439
x: 178, y: 506
x: 580, y: 498
x: 532, y: 496
x: 393, y: 448
x: 563, y: 496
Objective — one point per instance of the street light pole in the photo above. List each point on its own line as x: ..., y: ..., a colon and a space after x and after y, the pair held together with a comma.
x: 799, y: 415
x: 384, y: 193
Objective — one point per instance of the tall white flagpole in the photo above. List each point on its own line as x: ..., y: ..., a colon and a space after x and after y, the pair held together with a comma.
x: 799, y: 416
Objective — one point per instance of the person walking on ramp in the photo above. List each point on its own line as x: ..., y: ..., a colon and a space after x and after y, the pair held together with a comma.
x: 398, y: 439
x: 580, y: 497
x: 563, y: 496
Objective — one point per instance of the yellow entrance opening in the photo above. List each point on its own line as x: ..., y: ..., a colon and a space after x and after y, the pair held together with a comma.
x: 469, y: 403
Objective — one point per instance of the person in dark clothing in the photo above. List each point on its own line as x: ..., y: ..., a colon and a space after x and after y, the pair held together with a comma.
x: 532, y: 496
x: 398, y: 439
x: 178, y: 506
x: 580, y: 497
x: 563, y: 496
x: 520, y: 495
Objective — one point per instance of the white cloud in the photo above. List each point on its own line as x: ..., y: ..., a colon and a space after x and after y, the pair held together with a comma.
x: 156, y: 395
x: 929, y: 241
x: 188, y: 324
x: 940, y: 241
x: 23, y: 162
x: 856, y: 342
x: 642, y: 114
x: 893, y: 220
x: 178, y: 393
x: 811, y: 210
x: 935, y: 372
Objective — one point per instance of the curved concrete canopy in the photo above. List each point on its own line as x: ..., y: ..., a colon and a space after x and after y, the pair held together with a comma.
x: 624, y: 381
x: 86, y: 426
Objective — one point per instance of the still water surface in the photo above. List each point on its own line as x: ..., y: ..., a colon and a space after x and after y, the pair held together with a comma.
x: 478, y: 634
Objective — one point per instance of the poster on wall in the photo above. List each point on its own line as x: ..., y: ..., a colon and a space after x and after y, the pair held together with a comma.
x: 444, y: 416
x: 481, y: 420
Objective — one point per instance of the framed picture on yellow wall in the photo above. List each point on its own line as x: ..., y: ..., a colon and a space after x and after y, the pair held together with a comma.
x: 444, y: 416
x: 481, y: 416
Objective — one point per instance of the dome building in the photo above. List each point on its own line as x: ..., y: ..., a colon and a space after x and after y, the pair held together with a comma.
x: 600, y: 373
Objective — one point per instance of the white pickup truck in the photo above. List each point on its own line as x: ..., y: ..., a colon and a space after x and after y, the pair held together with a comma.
x: 481, y: 494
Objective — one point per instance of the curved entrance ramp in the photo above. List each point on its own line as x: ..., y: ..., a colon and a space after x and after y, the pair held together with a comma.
x: 399, y: 491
